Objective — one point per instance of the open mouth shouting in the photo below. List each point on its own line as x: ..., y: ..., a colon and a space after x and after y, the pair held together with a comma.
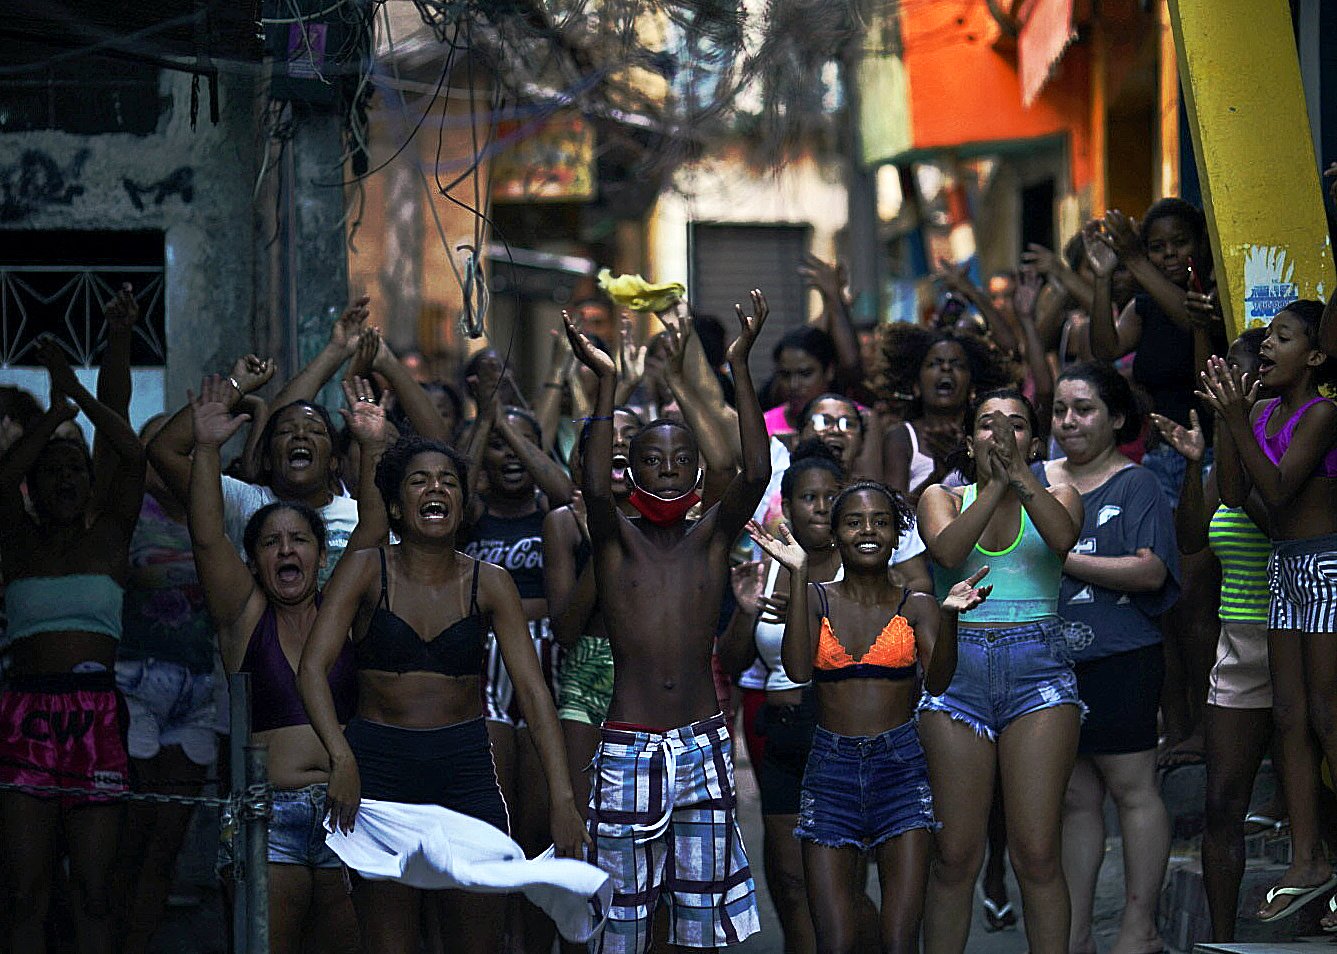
x: 434, y: 511
x: 288, y: 573
x: 300, y: 458
x: 620, y: 465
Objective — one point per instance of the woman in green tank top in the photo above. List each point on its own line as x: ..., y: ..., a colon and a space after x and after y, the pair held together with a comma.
x: 1237, y: 719
x: 1011, y: 709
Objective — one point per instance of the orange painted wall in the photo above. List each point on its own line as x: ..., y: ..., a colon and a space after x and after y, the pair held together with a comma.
x: 964, y: 86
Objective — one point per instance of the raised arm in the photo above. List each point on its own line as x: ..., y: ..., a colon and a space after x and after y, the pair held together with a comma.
x: 597, y: 485
x: 949, y: 532
x: 365, y: 419
x: 1056, y: 513
x: 955, y: 277
x: 1232, y: 396
x: 123, y: 491
x: 1055, y: 269
x: 339, y: 605
x: 1122, y: 233
x: 1024, y: 300
x: 749, y: 485
x: 737, y: 645
x: 113, y: 379
x: 306, y: 383
x: 21, y: 456
x: 501, y: 601
x: 798, y: 649
x: 170, y: 450
x: 548, y: 404
x: 1191, y: 516
x: 229, y: 586
x: 1111, y: 338
x: 549, y: 475
x: 417, y: 403
x: 829, y: 281
x: 710, y: 423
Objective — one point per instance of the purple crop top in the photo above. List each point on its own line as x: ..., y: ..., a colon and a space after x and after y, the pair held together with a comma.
x: 275, y: 701
x: 1274, y: 447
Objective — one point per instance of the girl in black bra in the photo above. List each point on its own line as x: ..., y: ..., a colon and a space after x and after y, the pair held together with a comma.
x: 419, y: 613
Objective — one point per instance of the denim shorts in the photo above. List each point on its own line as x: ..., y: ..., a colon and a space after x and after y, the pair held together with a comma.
x: 1004, y: 674
x: 169, y: 705
x: 297, y: 829
x: 859, y: 791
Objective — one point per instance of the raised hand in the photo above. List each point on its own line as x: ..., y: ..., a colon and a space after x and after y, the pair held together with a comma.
x: 750, y: 327
x: 52, y: 356
x: 633, y: 355
x: 214, y: 423
x: 1227, y: 390
x: 941, y: 439
x: 364, y: 355
x: 1100, y: 252
x: 1027, y: 293
x: 784, y: 548
x: 677, y: 338
x: 586, y: 353
x: 122, y: 311
x: 1122, y: 232
x: 747, y: 580
x: 1189, y: 442
x: 774, y: 608
x: 251, y: 373
x: 364, y: 415
x: 966, y: 595
x: 829, y: 280
x: 1042, y: 259
x: 1203, y: 309
x: 345, y: 332
x: 955, y: 277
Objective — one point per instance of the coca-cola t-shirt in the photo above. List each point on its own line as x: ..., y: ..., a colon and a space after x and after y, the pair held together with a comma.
x: 516, y: 545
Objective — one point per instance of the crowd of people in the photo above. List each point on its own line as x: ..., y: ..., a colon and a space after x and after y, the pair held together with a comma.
x: 949, y: 592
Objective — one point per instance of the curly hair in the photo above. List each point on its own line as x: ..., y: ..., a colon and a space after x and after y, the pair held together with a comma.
x: 906, y: 346
x: 900, y: 507
x: 394, y: 464
x: 811, y: 454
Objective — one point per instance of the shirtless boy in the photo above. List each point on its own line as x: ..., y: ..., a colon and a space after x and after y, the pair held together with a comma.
x: 662, y: 803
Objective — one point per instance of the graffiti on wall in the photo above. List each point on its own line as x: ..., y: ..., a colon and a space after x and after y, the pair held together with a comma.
x: 37, y: 181
x: 179, y: 182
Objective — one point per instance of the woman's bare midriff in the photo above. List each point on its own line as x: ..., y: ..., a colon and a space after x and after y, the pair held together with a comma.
x: 417, y: 700
x: 58, y: 652
x: 865, y: 706
x: 296, y: 756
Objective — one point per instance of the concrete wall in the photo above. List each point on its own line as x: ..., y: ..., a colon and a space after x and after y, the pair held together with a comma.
x: 210, y: 278
x: 723, y: 189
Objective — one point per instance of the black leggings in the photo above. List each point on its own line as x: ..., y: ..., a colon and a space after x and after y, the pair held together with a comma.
x: 450, y: 766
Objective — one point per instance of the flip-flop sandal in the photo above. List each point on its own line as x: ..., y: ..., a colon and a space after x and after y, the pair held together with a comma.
x: 1298, y: 898
x: 997, y: 917
x: 1262, y: 822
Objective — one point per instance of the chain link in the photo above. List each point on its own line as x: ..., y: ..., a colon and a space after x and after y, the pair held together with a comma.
x: 253, y: 803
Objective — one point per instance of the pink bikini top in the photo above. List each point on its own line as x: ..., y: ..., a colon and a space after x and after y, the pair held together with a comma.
x: 1274, y: 447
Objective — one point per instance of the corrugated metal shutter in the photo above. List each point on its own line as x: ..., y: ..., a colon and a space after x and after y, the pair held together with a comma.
x: 728, y: 261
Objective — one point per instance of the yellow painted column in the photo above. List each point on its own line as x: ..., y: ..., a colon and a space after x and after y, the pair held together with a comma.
x: 1260, y: 184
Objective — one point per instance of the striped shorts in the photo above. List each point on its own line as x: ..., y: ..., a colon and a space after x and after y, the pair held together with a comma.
x: 664, y: 826
x: 1302, y: 581
x: 499, y: 702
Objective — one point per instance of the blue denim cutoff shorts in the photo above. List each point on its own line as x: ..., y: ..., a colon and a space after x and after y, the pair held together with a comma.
x: 1003, y: 674
x: 297, y: 830
x: 860, y: 790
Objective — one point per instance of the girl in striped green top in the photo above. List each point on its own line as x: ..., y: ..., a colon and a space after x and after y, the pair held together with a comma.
x: 1238, y: 717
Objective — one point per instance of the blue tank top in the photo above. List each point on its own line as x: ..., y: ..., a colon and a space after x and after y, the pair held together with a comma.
x: 1025, y: 577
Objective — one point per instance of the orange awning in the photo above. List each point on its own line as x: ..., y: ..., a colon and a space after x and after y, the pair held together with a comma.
x: 1046, y: 31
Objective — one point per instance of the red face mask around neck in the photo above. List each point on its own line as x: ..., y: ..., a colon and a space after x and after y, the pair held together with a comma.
x: 662, y: 511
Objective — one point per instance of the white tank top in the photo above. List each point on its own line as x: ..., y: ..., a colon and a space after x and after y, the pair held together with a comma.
x: 921, y: 464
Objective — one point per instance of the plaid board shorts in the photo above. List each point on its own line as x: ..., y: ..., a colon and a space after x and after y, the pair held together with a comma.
x: 499, y: 701
x: 1302, y: 580
x: 663, y: 823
